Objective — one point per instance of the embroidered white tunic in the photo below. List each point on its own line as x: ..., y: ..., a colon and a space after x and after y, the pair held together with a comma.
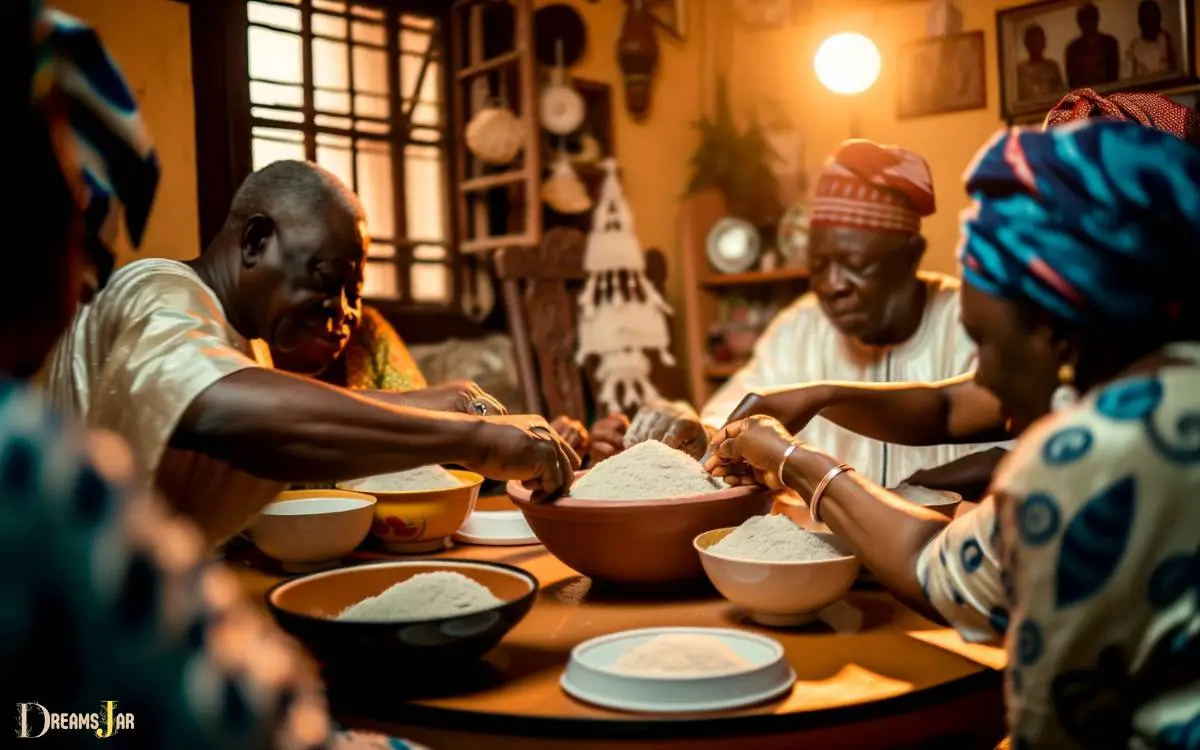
x: 802, y: 346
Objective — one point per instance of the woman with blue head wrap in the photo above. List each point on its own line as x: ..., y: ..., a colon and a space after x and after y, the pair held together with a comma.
x: 1079, y: 258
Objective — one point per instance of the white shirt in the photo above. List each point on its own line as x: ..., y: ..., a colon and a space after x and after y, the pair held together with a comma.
x: 132, y: 362
x: 802, y: 346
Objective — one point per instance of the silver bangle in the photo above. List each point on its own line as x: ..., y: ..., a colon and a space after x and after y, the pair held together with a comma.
x: 783, y: 462
x: 814, y: 504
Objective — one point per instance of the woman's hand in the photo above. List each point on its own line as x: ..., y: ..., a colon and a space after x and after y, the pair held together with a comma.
x: 573, y: 432
x: 462, y: 396
x: 524, y: 447
x: 749, y: 451
x: 608, y: 437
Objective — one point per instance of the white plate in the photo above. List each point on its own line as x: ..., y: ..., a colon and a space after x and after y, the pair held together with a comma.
x: 496, y: 528
x: 589, y: 676
x: 733, y: 245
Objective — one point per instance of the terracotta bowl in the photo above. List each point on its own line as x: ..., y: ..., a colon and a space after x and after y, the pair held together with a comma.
x: 636, y: 542
x: 312, y: 529
x: 307, y: 607
x: 417, y: 522
x: 779, y: 594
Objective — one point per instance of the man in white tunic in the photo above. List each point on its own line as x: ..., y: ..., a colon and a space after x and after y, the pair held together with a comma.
x: 871, y: 317
x: 174, y: 357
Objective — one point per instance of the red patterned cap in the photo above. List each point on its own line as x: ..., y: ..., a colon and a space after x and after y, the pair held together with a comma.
x: 868, y: 186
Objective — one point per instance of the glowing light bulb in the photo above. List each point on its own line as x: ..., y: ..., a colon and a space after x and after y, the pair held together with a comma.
x: 847, y: 63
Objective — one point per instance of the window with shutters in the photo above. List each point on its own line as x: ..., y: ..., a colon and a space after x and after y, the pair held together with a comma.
x: 360, y: 88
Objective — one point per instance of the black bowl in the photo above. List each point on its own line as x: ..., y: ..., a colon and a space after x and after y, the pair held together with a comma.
x: 306, y: 606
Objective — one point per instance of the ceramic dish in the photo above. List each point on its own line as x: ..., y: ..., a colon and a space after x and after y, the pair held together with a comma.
x: 779, y: 594
x: 942, y: 501
x: 733, y: 245
x: 636, y: 542
x: 496, y: 528
x: 590, y: 675
x: 312, y: 529
x: 307, y: 607
x: 417, y: 522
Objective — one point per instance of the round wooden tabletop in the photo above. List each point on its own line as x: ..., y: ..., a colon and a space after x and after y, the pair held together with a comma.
x: 870, y: 673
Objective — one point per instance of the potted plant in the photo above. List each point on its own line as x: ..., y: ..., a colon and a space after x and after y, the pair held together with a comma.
x: 736, y: 164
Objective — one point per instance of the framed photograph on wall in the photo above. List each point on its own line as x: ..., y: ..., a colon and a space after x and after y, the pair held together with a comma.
x: 942, y: 74
x: 1051, y: 47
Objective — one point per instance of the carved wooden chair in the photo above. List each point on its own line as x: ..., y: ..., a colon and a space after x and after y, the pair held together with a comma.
x: 540, y: 287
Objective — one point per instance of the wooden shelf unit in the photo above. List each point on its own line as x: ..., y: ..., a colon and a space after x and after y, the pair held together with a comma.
x: 705, y: 288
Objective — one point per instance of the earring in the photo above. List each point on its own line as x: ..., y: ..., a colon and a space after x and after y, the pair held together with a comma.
x: 1065, y: 395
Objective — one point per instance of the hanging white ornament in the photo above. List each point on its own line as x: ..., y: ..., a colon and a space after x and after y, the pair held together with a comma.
x: 562, y: 109
x: 622, y: 315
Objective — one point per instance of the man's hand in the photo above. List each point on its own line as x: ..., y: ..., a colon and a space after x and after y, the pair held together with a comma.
x: 673, y: 423
x: 573, y: 432
x: 794, y: 407
x: 460, y: 396
x: 608, y: 437
x: 524, y: 447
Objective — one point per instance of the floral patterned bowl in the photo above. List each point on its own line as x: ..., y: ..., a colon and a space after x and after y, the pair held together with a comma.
x: 417, y: 522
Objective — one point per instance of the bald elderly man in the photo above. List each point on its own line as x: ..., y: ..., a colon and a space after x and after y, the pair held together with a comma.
x: 871, y: 317
x: 175, y: 358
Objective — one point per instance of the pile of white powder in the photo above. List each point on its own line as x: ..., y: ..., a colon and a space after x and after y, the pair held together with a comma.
x: 421, y: 478
x: 678, y: 654
x: 647, y: 471
x: 774, y: 538
x: 425, y: 596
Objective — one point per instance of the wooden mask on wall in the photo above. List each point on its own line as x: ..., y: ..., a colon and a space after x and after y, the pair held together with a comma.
x: 637, y: 55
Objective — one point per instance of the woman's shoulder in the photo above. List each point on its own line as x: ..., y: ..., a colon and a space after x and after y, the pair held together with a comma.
x: 1128, y: 426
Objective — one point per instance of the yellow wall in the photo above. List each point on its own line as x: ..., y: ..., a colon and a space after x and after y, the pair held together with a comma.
x: 779, y: 64
x: 149, y: 39
x: 150, y: 42
x: 654, y: 154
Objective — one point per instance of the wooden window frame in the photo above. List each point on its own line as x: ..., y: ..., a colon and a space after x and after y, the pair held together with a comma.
x: 223, y: 148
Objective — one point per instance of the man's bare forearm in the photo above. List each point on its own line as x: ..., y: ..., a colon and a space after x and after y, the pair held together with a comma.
x: 287, y: 428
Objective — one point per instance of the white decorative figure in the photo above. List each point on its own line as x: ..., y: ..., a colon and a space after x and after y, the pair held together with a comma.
x: 621, y: 313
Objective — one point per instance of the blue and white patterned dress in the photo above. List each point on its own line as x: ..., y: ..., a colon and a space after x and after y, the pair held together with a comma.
x: 1087, y: 563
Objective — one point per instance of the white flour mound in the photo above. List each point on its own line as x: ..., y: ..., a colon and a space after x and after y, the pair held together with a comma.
x: 425, y: 596
x: 421, y: 478
x: 774, y: 538
x: 678, y: 654
x: 647, y: 471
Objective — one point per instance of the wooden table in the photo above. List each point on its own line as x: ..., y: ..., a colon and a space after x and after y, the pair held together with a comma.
x: 872, y: 674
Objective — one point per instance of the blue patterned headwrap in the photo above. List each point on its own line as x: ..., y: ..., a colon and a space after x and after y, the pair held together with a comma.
x: 108, y: 155
x: 1096, y: 222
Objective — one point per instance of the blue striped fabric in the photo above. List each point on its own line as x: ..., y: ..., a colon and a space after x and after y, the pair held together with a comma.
x: 109, y: 147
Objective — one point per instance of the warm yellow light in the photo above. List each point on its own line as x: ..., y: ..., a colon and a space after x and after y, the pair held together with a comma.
x: 847, y: 63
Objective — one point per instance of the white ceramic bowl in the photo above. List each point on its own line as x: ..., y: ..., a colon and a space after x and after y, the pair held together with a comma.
x: 496, y: 528
x: 312, y: 529
x: 590, y: 675
x: 942, y: 501
x: 778, y: 594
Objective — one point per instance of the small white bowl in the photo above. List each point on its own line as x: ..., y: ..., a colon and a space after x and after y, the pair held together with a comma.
x: 312, y: 529
x: 496, y: 528
x: 779, y: 594
x: 590, y: 676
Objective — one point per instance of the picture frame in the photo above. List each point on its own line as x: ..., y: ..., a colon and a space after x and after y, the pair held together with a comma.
x: 1048, y: 48
x: 942, y: 74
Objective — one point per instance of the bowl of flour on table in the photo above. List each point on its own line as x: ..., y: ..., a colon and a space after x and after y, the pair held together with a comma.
x: 631, y: 519
x: 418, y: 511
x: 782, y: 574
x: 390, y: 617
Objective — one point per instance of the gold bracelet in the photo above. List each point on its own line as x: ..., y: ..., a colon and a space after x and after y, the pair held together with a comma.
x: 783, y: 462
x: 814, y: 504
